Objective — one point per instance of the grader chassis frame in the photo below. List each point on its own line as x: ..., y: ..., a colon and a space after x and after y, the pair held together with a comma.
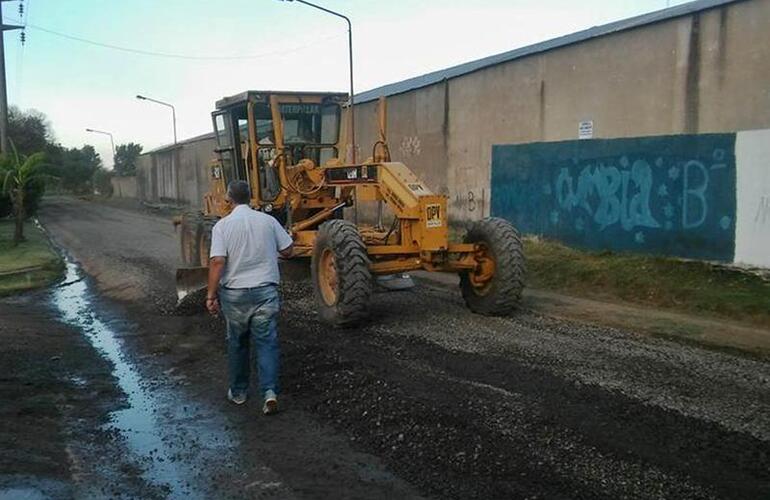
x: 286, y: 146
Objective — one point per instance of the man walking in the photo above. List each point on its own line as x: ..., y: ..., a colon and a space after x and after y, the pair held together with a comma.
x: 243, y: 283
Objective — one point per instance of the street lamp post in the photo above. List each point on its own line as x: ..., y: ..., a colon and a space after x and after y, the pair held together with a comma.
x: 350, y: 58
x: 173, y: 110
x: 112, y: 141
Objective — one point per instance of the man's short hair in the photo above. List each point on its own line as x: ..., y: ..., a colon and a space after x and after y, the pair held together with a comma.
x: 238, y: 192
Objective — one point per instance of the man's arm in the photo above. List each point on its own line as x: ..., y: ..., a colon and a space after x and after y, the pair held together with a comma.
x: 216, y: 268
x: 283, y: 242
x: 286, y: 252
x: 217, y: 263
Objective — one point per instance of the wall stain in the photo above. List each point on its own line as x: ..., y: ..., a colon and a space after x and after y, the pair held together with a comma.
x: 542, y: 110
x: 692, y: 88
x: 763, y: 211
x: 445, y: 125
x: 722, y: 54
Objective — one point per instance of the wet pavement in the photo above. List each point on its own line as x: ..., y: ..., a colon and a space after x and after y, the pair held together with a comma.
x: 149, y: 423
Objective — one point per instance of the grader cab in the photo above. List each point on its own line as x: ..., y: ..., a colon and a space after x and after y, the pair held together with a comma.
x: 289, y: 148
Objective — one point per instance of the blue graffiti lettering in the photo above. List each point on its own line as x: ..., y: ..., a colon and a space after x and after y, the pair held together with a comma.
x: 616, y: 201
x: 639, y: 213
x: 607, y: 181
x: 694, y: 194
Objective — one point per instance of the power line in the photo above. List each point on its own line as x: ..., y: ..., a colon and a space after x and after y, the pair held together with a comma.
x: 171, y: 55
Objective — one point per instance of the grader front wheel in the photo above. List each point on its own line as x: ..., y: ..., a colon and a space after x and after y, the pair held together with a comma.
x: 340, y: 273
x: 494, y: 287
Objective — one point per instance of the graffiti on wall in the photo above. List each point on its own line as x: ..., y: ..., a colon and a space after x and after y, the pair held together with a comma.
x: 410, y: 146
x: 672, y: 195
x: 469, y: 201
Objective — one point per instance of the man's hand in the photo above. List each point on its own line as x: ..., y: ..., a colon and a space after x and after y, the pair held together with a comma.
x: 212, y: 305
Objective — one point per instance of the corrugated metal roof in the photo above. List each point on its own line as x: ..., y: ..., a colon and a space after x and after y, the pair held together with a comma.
x: 580, y: 36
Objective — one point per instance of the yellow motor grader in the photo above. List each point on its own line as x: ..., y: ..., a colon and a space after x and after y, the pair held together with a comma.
x: 286, y: 145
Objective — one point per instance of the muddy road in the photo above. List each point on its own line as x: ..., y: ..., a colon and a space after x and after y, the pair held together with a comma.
x: 427, y: 400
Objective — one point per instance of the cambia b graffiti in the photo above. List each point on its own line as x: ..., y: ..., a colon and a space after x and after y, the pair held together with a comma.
x: 672, y: 195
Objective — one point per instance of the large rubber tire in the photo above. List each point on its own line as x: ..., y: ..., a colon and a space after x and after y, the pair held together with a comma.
x: 502, y: 293
x: 204, y: 240
x: 338, y: 244
x: 189, y: 235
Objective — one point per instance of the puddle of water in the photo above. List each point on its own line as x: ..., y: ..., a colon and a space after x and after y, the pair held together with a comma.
x: 139, y: 422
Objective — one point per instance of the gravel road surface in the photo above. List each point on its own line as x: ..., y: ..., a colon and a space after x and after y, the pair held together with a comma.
x: 428, y: 400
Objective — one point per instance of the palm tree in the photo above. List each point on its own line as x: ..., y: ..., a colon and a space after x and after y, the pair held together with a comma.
x: 17, y: 172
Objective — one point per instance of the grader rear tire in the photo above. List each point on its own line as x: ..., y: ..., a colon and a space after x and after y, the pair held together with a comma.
x: 190, y: 230
x: 340, y: 272
x: 494, y: 289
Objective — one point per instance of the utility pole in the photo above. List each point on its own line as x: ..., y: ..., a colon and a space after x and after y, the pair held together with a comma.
x: 3, y: 92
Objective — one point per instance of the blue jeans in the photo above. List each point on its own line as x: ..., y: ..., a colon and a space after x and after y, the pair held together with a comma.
x: 251, y: 315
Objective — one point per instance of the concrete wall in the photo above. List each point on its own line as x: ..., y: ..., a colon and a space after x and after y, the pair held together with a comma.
x: 702, y: 73
x: 177, y: 175
x: 124, y: 187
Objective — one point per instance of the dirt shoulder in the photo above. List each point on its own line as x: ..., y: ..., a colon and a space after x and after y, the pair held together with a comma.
x: 700, y: 330
x: 704, y: 289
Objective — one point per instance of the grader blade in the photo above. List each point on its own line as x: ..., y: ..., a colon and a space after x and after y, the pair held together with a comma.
x: 189, y: 281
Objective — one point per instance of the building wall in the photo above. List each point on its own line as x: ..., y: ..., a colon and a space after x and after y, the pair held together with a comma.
x: 176, y: 175
x: 124, y: 187
x: 702, y: 73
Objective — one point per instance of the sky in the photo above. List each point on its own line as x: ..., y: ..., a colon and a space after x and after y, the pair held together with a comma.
x: 223, y: 48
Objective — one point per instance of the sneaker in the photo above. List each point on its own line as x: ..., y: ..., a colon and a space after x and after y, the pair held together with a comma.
x: 237, y: 398
x: 271, y: 403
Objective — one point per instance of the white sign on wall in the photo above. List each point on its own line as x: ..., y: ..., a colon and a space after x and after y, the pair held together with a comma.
x: 586, y: 129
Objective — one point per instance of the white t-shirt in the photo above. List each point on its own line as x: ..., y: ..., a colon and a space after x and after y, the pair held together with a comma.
x: 250, y: 240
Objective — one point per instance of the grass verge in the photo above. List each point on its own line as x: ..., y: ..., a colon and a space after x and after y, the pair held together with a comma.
x: 31, y: 264
x: 665, y: 283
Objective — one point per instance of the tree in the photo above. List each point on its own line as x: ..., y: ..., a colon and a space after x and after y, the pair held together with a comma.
x: 18, y: 173
x: 76, y: 168
x: 29, y: 130
x: 125, y: 158
x: 103, y: 182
